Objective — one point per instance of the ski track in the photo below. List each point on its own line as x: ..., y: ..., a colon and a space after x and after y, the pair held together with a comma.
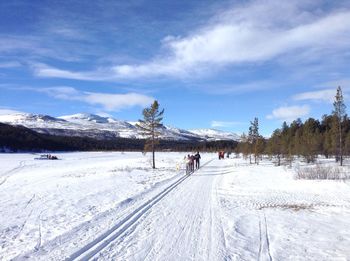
x: 264, y: 242
x: 7, y: 174
x: 122, y: 208
x: 267, y: 239
x: 193, y: 228
x: 95, y: 247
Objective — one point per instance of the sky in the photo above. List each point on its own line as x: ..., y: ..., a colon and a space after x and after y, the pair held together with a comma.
x: 210, y: 64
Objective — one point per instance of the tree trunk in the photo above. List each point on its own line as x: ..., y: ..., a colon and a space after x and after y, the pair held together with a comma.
x: 255, y: 153
x: 153, y: 156
x: 340, y: 144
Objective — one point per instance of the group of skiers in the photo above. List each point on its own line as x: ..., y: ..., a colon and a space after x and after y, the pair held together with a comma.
x: 192, y: 162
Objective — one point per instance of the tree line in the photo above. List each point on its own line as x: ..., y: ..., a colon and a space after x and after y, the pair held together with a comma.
x: 329, y: 136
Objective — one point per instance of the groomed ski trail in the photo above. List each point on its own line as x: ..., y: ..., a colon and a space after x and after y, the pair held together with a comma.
x: 177, y: 224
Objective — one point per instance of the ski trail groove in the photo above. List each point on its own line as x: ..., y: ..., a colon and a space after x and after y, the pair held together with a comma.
x: 38, y: 245
x: 267, y: 239
x: 30, y: 201
x: 264, y: 241
x: 8, y: 173
x: 23, y: 225
x: 93, y: 248
x: 260, y: 238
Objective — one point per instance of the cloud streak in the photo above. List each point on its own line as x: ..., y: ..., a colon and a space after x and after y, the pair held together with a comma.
x: 320, y: 95
x: 5, y: 111
x: 108, y: 101
x: 289, y: 113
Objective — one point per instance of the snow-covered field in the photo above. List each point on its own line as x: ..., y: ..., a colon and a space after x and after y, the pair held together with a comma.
x: 113, y: 206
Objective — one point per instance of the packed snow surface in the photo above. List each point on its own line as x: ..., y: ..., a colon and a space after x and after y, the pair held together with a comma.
x: 113, y: 206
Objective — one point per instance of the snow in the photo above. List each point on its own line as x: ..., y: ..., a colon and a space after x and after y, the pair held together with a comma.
x: 213, y: 134
x: 113, y: 206
x: 86, y: 117
x: 270, y: 215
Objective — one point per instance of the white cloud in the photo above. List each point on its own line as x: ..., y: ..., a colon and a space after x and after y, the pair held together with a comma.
x: 61, y: 92
x: 115, y: 102
x: 289, y: 113
x: 4, y: 111
x: 320, y: 95
x: 43, y: 70
x: 224, y: 124
x: 257, y: 32
x: 108, y: 101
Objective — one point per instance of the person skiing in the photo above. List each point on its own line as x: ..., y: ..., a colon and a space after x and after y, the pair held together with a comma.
x: 188, y: 164
x: 197, y: 157
x: 192, y: 163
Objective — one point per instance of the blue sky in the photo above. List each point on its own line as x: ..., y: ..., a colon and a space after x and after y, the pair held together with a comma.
x: 210, y: 64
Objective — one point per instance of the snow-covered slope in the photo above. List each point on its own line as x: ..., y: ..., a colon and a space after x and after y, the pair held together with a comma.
x: 86, y: 125
x: 213, y: 134
x: 95, y: 126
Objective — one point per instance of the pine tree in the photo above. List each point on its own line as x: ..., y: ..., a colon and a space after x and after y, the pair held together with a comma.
x: 244, y: 146
x: 310, y: 139
x: 347, y: 144
x: 152, y: 119
x: 339, y: 113
x: 329, y: 147
x: 295, y: 137
x: 254, y: 137
x: 275, y: 145
x: 285, y: 139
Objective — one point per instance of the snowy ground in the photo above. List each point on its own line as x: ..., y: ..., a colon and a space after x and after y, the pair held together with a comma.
x: 112, y: 206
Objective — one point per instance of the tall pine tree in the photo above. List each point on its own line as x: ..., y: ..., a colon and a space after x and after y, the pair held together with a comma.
x: 275, y: 145
x: 254, y: 137
x: 152, y: 120
x: 339, y: 113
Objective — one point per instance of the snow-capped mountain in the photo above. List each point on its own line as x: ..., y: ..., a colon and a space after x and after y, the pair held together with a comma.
x: 213, y: 134
x: 98, y: 127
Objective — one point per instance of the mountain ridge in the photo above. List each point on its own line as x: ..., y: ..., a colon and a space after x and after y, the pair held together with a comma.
x: 99, y: 127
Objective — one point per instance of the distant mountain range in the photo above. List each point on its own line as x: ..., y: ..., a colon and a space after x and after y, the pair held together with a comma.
x: 104, y: 128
